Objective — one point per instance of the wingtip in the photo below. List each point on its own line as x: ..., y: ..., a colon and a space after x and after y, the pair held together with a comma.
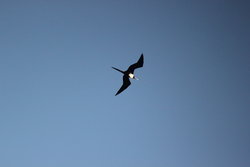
x: 142, y: 57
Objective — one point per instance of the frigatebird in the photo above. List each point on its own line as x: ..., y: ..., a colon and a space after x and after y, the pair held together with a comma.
x: 129, y: 74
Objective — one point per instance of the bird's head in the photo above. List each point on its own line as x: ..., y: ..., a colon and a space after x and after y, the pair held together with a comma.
x: 132, y: 76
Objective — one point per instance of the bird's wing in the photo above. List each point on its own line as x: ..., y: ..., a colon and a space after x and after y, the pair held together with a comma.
x: 126, y: 83
x: 138, y: 64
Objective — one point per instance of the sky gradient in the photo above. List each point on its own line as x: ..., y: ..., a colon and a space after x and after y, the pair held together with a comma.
x: 191, y: 106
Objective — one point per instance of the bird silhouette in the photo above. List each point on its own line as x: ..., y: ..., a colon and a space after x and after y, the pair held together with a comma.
x: 129, y: 74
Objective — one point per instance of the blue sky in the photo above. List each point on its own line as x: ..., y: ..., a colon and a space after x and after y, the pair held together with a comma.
x: 190, y: 107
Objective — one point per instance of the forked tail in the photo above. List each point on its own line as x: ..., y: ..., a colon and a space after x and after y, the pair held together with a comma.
x: 118, y: 70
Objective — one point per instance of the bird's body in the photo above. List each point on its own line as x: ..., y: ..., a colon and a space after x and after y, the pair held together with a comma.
x: 129, y: 74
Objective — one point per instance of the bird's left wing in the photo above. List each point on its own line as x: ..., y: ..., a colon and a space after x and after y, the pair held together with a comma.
x: 125, y: 85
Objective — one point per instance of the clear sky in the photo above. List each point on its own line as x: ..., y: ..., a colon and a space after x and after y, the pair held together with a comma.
x: 190, y: 108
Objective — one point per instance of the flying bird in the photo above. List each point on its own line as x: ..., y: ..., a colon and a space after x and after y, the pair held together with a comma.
x: 129, y: 74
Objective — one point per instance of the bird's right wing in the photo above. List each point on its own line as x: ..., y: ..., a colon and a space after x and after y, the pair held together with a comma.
x: 138, y: 64
x: 125, y: 85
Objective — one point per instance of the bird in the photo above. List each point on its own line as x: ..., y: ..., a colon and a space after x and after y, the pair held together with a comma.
x: 129, y: 73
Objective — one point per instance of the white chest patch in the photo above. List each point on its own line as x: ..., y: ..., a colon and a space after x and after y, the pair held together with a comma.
x: 131, y: 75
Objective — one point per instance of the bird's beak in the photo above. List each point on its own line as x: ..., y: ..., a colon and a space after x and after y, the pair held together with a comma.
x: 136, y: 78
